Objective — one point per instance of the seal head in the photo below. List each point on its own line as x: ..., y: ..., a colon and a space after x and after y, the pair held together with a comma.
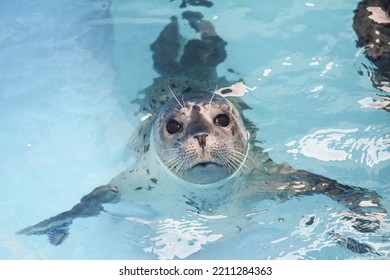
x: 202, y: 139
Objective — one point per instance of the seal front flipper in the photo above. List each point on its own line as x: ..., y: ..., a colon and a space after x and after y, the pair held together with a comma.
x: 371, y: 23
x: 57, y: 227
x: 353, y: 245
x: 367, y: 211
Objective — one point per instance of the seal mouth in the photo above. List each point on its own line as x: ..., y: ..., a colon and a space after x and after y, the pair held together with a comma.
x: 206, y: 164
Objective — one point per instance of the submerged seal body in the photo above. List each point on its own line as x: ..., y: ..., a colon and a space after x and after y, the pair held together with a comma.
x: 371, y: 23
x: 197, y: 147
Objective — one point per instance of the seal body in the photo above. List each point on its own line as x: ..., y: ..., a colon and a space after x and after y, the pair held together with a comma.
x: 197, y: 149
x: 371, y: 23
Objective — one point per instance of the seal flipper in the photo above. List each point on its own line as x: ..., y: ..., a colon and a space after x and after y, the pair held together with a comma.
x: 371, y: 23
x: 209, y: 51
x: 204, y: 3
x: 166, y: 48
x: 205, y: 53
x: 353, y: 245
x: 364, y: 203
x: 57, y: 227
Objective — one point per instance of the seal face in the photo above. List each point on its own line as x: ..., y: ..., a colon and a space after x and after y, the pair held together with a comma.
x: 202, y: 139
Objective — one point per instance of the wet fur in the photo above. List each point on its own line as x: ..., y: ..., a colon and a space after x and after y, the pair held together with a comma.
x: 374, y: 38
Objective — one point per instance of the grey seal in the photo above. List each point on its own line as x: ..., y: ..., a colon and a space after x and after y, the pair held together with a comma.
x: 197, y: 147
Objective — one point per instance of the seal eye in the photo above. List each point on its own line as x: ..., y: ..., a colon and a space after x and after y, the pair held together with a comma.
x: 222, y: 120
x: 173, y: 126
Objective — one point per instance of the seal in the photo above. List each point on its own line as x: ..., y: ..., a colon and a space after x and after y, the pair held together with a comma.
x: 371, y: 23
x: 196, y: 147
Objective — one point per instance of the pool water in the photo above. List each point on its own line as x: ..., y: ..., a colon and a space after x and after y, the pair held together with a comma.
x: 69, y: 70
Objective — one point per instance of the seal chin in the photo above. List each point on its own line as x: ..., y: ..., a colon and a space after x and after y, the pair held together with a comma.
x: 205, y: 173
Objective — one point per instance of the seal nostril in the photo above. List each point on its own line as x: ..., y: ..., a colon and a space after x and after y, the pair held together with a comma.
x: 201, y: 139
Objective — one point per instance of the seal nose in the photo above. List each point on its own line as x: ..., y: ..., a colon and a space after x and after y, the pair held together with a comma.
x: 201, y: 140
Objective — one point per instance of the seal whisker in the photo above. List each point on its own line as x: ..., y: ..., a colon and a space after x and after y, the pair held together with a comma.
x: 236, y: 155
x: 169, y: 151
x: 214, y: 92
x: 226, y: 161
x: 179, y: 143
x: 241, y: 155
x: 240, y: 162
x: 183, y: 165
x: 172, y: 161
x: 237, y: 158
x: 175, y: 167
x: 223, y: 161
x: 178, y: 163
x: 236, y: 143
x: 175, y: 97
x: 235, y: 161
x: 234, y: 165
x: 244, y: 152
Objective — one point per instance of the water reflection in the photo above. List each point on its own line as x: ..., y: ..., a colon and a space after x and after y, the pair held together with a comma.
x: 180, y: 238
x: 365, y: 147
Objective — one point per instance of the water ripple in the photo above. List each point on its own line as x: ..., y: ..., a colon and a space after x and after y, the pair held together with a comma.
x: 364, y: 147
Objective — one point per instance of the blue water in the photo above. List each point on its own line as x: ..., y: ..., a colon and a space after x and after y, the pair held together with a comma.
x: 69, y: 69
